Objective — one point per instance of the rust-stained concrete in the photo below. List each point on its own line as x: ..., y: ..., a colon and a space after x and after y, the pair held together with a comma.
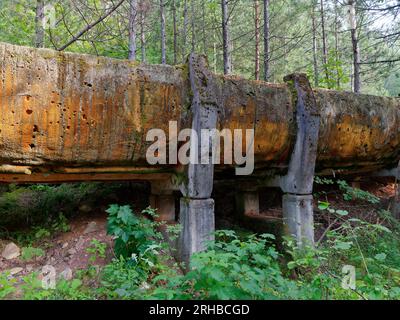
x: 63, y: 111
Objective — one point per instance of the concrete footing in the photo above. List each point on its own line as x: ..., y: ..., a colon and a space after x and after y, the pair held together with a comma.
x: 165, y: 205
x: 197, y: 220
x: 298, y: 218
x: 396, y: 206
x: 247, y: 203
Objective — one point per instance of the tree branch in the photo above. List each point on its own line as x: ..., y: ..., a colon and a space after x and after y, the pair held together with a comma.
x: 90, y: 26
x: 380, y: 61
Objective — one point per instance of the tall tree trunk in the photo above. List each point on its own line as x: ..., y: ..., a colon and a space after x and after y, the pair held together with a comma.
x: 226, y: 38
x: 337, y: 54
x: 266, y: 40
x: 163, y: 34
x: 314, y: 43
x: 257, y: 36
x: 39, y: 21
x: 324, y: 45
x: 356, y: 50
x: 203, y: 26
x: 185, y: 27
x: 175, y: 32
x: 132, y: 30
x: 142, y: 34
x: 193, y: 26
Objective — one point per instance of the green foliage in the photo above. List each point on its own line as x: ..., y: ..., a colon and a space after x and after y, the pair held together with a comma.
x: 6, y: 285
x: 28, y: 253
x: 232, y: 269
x: 334, y: 76
x: 41, y: 232
x: 134, y: 234
x: 350, y: 193
x: 40, y: 204
x: 121, y: 279
x: 97, y: 250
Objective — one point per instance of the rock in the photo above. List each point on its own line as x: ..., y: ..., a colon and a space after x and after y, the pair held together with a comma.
x: 67, y: 274
x: 15, y: 271
x: 85, y: 208
x: 145, y: 286
x: 29, y: 267
x: 65, y: 245
x: 80, y: 243
x: 11, y: 251
x: 71, y: 251
x: 91, y: 227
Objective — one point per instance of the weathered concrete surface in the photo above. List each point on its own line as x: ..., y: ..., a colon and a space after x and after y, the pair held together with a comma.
x: 250, y: 202
x: 197, y: 220
x: 298, y: 218
x: 67, y: 109
x: 62, y: 111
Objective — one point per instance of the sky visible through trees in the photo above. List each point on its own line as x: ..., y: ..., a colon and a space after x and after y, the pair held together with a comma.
x: 349, y: 45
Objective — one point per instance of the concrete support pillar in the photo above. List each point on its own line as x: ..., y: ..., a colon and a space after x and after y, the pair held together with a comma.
x: 165, y: 205
x: 162, y: 198
x: 197, y: 219
x: 247, y: 202
x: 298, y: 183
x: 197, y: 207
x: 396, y: 207
x: 396, y: 200
x: 298, y: 218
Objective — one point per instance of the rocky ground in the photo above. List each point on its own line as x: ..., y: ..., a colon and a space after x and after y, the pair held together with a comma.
x: 66, y: 252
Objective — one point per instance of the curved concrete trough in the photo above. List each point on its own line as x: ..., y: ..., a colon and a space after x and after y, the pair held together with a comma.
x: 70, y: 117
x: 60, y: 110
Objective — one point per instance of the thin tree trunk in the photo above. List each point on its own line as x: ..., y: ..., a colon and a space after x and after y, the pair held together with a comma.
x: 175, y: 33
x: 356, y: 50
x: 314, y: 43
x: 257, y: 36
x: 203, y: 27
x: 185, y: 27
x: 226, y: 38
x: 337, y: 54
x: 39, y: 21
x: 142, y: 33
x: 163, y: 34
x: 266, y: 41
x: 324, y: 45
x: 132, y: 30
x: 193, y: 26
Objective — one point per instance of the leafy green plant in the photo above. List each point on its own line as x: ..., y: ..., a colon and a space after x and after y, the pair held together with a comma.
x: 6, y: 285
x: 350, y: 193
x: 232, y: 269
x: 134, y: 234
x: 28, y: 253
x: 96, y: 250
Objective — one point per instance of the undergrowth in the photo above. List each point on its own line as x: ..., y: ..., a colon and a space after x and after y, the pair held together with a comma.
x: 354, y: 259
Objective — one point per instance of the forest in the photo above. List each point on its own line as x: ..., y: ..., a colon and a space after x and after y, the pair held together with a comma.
x: 344, y: 45
x: 83, y: 217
